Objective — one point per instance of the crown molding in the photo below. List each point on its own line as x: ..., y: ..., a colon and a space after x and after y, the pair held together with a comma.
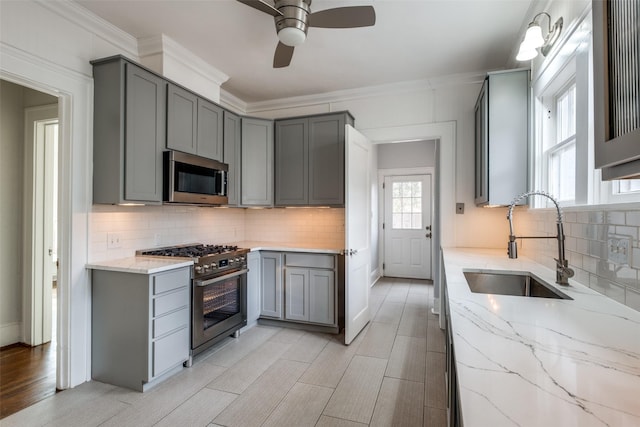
x: 367, y: 92
x: 231, y: 101
x: 87, y: 20
x: 162, y: 44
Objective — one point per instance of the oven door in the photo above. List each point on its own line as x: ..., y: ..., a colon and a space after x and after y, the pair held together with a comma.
x: 219, y: 307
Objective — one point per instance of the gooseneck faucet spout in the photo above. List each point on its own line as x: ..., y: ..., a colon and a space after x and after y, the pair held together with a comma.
x: 563, y: 272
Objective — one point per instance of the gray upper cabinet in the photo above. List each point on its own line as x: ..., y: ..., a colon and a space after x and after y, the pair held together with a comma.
x: 616, y: 72
x: 291, y: 162
x: 194, y: 125
x: 502, y: 138
x: 232, y: 142
x: 257, y: 162
x: 309, y: 160
x: 129, y: 133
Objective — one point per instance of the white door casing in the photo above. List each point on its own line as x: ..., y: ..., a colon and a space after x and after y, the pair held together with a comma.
x: 357, y: 236
x: 407, y: 230
x: 41, y: 134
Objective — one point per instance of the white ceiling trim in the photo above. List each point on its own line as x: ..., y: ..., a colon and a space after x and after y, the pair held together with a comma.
x: 91, y: 22
x: 364, y: 92
x: 231, y: 101
x: 164, y: 45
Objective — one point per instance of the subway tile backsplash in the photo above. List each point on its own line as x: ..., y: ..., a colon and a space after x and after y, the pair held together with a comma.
x: 143, y: 227
x: 591, y: 236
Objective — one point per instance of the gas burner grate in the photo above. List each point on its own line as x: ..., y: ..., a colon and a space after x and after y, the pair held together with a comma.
x: 192, y: 251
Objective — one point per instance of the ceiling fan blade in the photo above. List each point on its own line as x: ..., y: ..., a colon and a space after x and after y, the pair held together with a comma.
x: 344, y: 17
x: 283, y: 55
x: 262, y: 6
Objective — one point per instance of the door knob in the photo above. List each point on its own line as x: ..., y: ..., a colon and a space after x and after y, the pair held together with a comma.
x: 428, y: 235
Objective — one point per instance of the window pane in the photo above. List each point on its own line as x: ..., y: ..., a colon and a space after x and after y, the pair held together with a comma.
x: 626, y: 186
x: 562, y: 173
x: 406, y: 205
x: 566, y: 111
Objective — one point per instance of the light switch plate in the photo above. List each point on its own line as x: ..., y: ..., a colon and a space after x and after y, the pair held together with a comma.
x: 113, y: 241
x: 618, y: 249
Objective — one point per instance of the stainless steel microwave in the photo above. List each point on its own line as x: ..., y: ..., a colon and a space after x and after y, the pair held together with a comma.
x: 190, y: 179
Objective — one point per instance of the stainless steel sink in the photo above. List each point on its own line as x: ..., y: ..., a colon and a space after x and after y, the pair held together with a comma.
x: 520, y: 284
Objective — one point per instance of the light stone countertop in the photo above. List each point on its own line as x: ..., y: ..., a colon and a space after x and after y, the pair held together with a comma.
x: 541, y: 362
x: 141, y: 264
x: 287, y: 247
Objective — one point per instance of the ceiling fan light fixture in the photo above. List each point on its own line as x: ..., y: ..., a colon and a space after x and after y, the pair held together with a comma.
x: 292, y: 36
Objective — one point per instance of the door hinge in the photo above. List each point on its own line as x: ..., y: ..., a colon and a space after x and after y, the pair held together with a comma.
x: 383, y: 265
x: 383, y: 225
x: 383, y: 186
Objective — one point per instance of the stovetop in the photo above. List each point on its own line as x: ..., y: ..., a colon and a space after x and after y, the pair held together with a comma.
x: 208, y: 260
x: 193, y: 250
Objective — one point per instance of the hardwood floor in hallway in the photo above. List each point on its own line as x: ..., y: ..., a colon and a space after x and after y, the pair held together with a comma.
x: 391, y: 375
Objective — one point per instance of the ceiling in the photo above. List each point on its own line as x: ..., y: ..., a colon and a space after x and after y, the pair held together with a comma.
x: 412, y: 40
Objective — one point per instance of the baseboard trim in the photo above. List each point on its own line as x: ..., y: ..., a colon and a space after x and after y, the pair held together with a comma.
x: 10, y: 333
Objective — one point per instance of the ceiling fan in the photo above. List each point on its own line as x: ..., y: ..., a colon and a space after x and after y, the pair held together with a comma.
x: 294, y: 17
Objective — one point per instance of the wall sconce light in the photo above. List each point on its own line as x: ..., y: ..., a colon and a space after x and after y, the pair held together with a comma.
x: 533, y: 38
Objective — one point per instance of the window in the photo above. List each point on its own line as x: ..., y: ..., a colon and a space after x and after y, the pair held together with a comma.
x: 406, y: 199
x: 560, y: 152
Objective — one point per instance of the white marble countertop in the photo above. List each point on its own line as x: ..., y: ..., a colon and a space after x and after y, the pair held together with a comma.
x: 140, y: 264
x: 287, y: 247
x: 541, y: 362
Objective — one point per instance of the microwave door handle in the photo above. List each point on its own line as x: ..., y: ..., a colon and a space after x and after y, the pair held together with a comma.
x: 223, y: 183
x: 202, y: 283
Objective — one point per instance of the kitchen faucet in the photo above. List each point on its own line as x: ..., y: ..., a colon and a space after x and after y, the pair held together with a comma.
x: 563, y: 272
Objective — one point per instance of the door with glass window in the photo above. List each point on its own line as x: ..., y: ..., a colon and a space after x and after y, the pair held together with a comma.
x: 407, y: 226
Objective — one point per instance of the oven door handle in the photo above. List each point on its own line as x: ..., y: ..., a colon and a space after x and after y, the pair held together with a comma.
x: 202, y: 283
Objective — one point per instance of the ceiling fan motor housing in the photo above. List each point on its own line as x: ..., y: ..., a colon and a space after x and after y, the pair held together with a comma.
x: 294, y: 19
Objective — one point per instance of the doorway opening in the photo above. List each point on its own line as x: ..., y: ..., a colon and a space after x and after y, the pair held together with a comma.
x: 407, y: 227
x: 28, y: 328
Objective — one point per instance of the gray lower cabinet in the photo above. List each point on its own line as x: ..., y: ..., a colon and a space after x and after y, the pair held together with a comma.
x: 256, y: 162
x: 271, y: 285
x: 194, y: 125
x: 309, y: 160
x: 128, y: 133
x: 140, y: 326
x: 232, y: 143
x: 299, y: 287
x: 253, y: 287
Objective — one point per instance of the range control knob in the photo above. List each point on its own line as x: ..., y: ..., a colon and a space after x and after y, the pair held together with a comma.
x: 199, y: 269
x: 213, y: 265
x: 231, y: 261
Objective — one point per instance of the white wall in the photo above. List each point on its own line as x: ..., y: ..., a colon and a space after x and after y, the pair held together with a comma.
x: 413, y: 154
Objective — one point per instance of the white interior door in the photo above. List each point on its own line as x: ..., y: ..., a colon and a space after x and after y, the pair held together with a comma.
x: 357, y: 233
x: 407, y: 226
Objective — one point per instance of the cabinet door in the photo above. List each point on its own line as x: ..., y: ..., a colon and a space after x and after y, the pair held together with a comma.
x: 144, y: 135
x: 291, y: 162
x: 210, y: 139
x: 326, y: 160
x: 296, y: 293
x: 253, y: 287
x: 322, y: 296
x: 271, y: 289
x: 232, y: 141
x: 481, y: 161
x: 257, y: 162
x: 182, y: 113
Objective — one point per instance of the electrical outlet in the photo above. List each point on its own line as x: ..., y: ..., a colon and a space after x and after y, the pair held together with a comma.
x: 618, y: 249
x: 460, y: 208
x: 113, y: 241
x: 157, y: 239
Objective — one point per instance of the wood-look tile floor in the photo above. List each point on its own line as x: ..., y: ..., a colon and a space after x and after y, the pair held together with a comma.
x: 391, y: 375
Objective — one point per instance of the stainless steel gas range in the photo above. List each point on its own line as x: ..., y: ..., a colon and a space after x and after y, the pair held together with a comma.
x: 218, y: 291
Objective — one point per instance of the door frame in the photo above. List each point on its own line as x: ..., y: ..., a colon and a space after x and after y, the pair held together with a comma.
x: 382, y: 174
x: 75, y: 153
x: 36, y: 315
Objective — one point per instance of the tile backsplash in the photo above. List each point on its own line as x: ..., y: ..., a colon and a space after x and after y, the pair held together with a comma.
x: 595, y: 246
x: 303, y: 226
x: 143, y: 227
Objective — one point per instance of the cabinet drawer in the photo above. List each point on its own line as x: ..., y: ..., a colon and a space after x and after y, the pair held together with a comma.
x: 170, y: 302
x: 164, y: 282
x: 170, y: 351
x: 309, y: 260
x: 170, y: 322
